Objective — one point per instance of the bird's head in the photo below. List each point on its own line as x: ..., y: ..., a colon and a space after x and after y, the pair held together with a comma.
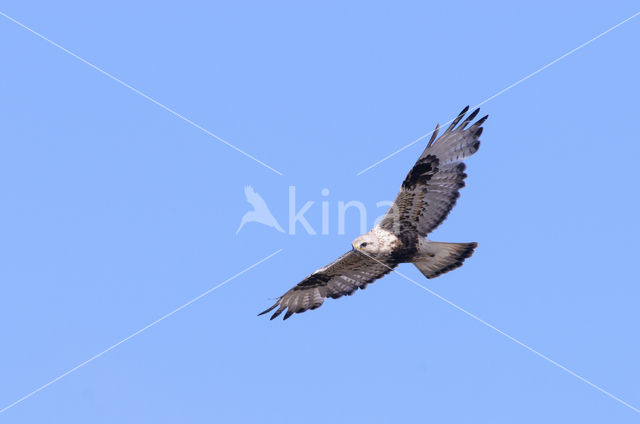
x: 366, y: 243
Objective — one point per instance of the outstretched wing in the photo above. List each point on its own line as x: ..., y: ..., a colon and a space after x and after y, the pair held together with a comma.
x: 431, y: 188
x: 345, y: 275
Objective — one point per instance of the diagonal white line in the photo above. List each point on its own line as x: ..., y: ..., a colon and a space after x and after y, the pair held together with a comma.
x: 129, y: 337
x: 513, y: 339
x: 135, y: 90
x: 504, y: 90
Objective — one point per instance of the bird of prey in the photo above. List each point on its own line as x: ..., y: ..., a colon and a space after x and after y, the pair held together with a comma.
x: 426, y: 196
x: 260, y: 212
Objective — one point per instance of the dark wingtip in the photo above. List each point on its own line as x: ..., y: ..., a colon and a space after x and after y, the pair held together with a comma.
x: 275, y: 315
x: 458, y: 118
x: 469, y: 118
x: 271, y: 308
x: 288, y: 314
x: 481, y: 120
x: 434, y: 134
x: 278, y: 312
x: 473, y: 114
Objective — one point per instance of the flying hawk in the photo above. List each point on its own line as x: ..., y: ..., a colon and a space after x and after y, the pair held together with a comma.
x: 428, y: 193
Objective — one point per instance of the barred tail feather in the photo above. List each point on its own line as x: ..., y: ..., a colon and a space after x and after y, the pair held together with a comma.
x: 435, y: 258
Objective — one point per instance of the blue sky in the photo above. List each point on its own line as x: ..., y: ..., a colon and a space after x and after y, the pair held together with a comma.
x: 116, y: 212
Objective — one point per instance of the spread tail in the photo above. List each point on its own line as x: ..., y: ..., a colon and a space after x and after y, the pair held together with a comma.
x: 435, y: 258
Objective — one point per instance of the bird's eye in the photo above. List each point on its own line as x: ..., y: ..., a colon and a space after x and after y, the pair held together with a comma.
x: 363, y: 244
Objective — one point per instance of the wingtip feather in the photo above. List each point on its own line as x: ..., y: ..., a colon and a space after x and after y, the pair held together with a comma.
x: 481, y: 121
x: 434, y: 135
x: 276, y: 313
x: 470, y: 118
x: 458, y: 118
x: 268, y: 310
